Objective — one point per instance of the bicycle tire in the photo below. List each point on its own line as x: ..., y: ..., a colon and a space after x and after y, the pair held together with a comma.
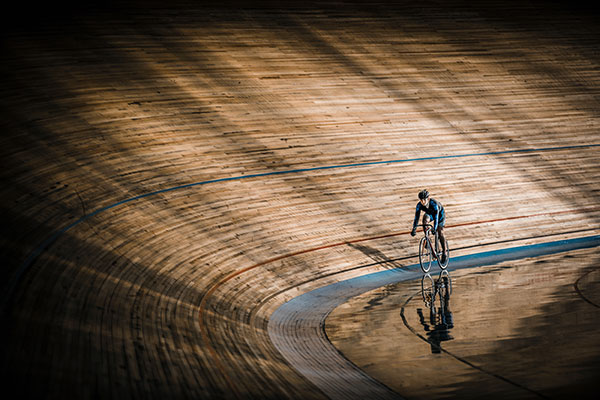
x: 425, y: 255
x: 439, y: 258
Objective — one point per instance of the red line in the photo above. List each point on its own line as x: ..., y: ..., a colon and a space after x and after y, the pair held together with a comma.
x: 204, y: 330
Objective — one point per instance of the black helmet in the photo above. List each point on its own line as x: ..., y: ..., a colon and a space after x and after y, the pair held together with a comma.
x: 423, y: 194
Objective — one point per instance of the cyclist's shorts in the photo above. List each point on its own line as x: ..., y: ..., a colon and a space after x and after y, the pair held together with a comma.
x: 441, y: 222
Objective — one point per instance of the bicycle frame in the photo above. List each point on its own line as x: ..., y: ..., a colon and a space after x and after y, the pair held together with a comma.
x: 431, y: 250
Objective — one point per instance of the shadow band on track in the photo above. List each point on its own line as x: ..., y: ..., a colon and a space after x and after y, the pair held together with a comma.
x: 42, y: 247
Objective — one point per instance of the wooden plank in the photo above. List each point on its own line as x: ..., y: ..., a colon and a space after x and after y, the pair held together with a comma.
x: 169, y: 295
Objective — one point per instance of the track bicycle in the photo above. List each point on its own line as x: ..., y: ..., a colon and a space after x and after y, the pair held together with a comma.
x: 430, y: 250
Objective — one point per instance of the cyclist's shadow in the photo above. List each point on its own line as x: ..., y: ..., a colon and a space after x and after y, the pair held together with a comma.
x: 440, y: 322
x: 376, y: 255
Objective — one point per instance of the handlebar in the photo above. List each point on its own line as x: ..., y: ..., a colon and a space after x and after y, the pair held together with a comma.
x: 430, y: 226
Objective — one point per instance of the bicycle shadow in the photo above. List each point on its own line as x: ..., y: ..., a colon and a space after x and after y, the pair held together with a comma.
x: 437, y: 327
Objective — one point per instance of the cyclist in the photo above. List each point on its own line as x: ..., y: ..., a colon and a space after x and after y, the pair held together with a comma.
x: 435, y: 211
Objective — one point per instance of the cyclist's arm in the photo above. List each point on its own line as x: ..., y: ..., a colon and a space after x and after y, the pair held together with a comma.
x: 417, y: 215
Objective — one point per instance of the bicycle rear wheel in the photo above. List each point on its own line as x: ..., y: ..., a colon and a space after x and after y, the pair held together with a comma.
x: 439, y: 258
x: 425, y: 255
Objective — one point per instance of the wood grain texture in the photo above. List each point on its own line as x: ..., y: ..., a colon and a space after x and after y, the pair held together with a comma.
x: 169, y: 295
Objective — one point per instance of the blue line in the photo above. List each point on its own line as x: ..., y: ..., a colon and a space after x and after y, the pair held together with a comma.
x: 50, y: 240
x: 340, y: 290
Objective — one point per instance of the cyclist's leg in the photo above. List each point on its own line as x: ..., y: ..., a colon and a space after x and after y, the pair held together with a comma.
x: 425, y: 222
x: 442, y: 238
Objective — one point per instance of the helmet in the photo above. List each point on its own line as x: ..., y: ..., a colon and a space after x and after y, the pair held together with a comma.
x: 423, y: 194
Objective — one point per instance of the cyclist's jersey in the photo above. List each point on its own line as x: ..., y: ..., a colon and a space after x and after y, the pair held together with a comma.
x: 435, y: 212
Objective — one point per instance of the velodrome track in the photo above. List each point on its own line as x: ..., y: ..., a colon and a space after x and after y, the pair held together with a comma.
x: 176, y: 174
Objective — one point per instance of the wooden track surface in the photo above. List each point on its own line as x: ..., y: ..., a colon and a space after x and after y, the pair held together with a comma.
x: 168, y: 295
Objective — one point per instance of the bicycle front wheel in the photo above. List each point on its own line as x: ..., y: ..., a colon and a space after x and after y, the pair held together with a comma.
x: 425, y: 255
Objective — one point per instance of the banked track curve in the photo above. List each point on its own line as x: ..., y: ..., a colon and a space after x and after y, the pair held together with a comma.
x: 218, y: 363
x: 154, y: 296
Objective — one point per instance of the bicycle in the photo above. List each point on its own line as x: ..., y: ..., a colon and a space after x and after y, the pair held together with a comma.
x: 426, y: 255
